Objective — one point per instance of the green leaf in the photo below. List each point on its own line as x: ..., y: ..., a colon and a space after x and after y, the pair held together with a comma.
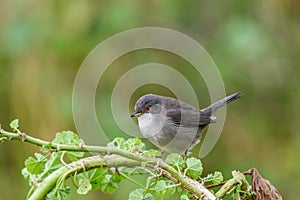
x: 175, y: 160
x: 118, y: 142
x: 160, y: 186
x: 69, y: 137
x: 148, y: 196
x: 152, y: 153
x: 14, y: 125
x: 149, y: 181
x: 117, y: 178
x: 96, y: 176
x: 217, y: 177
x: 134, y: 144
x: 61, y: 194
x: 108, y: 185
x: 84, y: 186
x: 27, y: 176
x: 138, y: 194
x: 165, y: 187
x: 53, y: 163
x: 46, y: 147
x: 74, y: 155
x: 193, y: 167
x: 133, y: 171
x: 184, y: 197
x: 35, y: 166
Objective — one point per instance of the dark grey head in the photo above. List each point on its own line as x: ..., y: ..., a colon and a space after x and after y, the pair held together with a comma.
x: 149, y: 103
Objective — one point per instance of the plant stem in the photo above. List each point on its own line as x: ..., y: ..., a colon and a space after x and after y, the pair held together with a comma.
x: 238, y: 178
x: 120, y: 158
x: 77, y: 167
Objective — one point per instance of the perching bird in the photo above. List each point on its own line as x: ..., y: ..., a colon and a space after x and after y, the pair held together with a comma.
x: 173, y: 125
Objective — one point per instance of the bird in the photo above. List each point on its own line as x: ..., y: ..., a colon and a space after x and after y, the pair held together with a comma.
x: 172, y: 125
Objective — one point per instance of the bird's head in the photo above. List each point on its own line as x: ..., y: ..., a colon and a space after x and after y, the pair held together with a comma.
x: 149, y: 103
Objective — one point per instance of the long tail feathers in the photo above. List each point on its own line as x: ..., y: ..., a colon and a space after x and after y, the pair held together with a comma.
x: 212, y: 108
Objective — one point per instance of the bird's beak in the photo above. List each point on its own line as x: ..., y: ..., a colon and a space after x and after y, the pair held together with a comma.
x: 135, y: 114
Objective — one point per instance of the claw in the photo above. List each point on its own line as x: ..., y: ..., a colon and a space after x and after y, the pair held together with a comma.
x: 185, y: 155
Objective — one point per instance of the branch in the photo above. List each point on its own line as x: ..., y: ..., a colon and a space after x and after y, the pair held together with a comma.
x: 5, y: 135
x: 238, y: 178
x: 84, y: 164
x: 193, y: 186
x: 122, y: 158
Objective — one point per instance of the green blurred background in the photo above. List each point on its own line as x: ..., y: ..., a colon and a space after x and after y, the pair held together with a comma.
x: 255, y: 44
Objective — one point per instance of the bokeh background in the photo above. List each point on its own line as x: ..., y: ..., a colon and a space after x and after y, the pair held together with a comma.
x: 255, y: 44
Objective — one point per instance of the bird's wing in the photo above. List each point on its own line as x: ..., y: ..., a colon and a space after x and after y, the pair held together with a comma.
x: 185, y: 115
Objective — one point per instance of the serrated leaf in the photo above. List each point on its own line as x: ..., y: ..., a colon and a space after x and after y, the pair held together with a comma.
x: 117, y: 178
x: 84, y: 186
x: 53, y: 161
x: 148, y: 196
x: 175, y: 160
x: 35, y: 166
x: 52, y: 164
x: 138, y: 194
x: 152, y: 153
x: 107, y: 185
x: 95, y: 177
x: 134, y: 144
x: 97, y: 174
x: 26, y: 176
x: 133, y: 171
x: 73, y: 156
x: 165, y: 187
x: 217, y: 177
x: 160, y: 186
x: 14, y: 125
x: 184, y: 197
x: 193, y: 167
x: 118, y: 142
x: 69, y: 137
x: 149, y: 181
x: 60, y: 194
x: 214, y: 178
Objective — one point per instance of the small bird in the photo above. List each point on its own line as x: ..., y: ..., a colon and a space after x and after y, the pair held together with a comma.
x: 172, y: 125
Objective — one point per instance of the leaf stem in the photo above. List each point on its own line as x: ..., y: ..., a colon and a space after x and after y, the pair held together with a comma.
x: 132, y: 180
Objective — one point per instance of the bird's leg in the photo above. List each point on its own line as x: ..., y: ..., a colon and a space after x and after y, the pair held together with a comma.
x: 184, y: 159
x: 185, y: 155
x: 162, y: 151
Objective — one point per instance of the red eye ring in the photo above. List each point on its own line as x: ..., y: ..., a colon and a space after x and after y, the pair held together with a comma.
x: 147, y: 108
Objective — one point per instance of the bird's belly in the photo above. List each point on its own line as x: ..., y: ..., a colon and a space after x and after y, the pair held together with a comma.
x: 167, y: 136
x: 179, y: 140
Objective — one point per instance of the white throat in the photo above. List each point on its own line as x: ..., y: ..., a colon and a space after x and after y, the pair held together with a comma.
x: 151, y: 124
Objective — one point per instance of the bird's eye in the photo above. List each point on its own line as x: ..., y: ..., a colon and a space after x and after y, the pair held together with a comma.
x: 147, y: 108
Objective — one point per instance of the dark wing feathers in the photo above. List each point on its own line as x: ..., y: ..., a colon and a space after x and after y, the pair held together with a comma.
x: 183, y: 114
x: 186, y: 115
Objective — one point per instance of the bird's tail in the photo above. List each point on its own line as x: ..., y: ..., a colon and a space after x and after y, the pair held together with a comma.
x: 212, y: 108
